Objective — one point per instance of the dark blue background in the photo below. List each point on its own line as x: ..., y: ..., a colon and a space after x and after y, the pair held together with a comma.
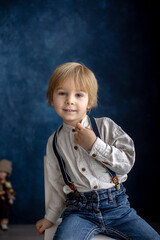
x: 118, y: 41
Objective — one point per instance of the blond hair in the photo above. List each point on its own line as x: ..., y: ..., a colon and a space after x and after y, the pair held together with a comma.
x: 83, y: 78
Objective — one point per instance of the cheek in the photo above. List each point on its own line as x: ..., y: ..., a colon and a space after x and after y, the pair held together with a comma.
x: 56, y: 105
x: 84, y: 104
x: 55, y: 101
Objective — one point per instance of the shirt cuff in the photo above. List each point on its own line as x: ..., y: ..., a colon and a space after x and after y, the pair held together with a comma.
x: 52, y: 217
x: 100, y: 150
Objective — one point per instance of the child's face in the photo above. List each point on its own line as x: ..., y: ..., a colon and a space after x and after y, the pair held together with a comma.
x: 3, y: 175
x: 70, y: 103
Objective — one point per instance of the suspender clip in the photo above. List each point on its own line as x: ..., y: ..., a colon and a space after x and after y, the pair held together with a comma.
x: 72, y: 187
x: 118, y: 186
x: 115, y: 180
x: 76, y: 193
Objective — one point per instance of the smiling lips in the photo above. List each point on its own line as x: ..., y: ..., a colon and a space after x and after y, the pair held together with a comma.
x: 69, y: 110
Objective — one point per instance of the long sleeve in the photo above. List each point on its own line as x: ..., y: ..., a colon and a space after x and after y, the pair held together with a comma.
x: 55, y: 196
x: 115, y: 149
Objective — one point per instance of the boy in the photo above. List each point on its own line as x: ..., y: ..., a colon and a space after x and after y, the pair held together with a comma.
x: 87, y: 184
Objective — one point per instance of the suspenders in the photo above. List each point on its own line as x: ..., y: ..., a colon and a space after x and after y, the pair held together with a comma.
x: 61, y: 162
x: 112, y: 174
x: 62, y: 166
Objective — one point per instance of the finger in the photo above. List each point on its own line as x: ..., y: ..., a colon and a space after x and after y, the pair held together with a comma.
x: 76, y: 138
x: 41, y: 230
x: 39, y: 227
x: 87, y: 128
x: 38, y: 233
x: 79, y: 127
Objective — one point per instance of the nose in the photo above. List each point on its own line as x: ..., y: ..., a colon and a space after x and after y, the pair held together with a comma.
x: 70, y: 100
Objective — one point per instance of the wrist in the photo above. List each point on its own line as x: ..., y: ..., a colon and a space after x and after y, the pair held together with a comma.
x: 91, y: 146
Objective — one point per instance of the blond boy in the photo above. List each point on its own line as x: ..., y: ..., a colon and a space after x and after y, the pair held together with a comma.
x: 99, y: 207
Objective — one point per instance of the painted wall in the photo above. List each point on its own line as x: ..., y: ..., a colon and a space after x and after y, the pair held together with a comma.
x: 117, y: 40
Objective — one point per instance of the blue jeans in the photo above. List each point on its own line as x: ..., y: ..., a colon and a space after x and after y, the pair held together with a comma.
x: 103, y: 211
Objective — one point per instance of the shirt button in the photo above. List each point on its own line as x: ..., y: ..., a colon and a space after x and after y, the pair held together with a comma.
x: 75, y: 147
x: 83, y: 169
x: 93, y: 155
x: 73, y: 130
x: 95, y: 187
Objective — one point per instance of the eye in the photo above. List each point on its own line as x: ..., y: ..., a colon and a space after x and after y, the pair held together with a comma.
x: 61, y: 93
x: 79, y: 95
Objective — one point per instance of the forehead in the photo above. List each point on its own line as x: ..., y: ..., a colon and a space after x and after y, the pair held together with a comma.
x: 71, y: 83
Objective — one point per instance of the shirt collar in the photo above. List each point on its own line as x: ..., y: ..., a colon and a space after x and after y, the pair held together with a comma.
x: 85, y: 123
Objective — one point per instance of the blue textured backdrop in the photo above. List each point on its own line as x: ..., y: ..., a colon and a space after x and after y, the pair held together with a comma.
x: 117, y: 40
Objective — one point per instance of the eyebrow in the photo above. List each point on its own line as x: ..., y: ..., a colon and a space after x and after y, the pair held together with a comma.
x: 78, y: 90
x: 59, y: 89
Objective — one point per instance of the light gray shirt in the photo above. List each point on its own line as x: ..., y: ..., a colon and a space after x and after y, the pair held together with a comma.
x: 88, y: 170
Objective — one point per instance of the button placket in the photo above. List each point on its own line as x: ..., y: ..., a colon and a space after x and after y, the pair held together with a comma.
x: 75, y: 146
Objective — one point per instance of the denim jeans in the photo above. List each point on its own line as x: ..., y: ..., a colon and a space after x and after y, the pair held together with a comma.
x: 103, y: 211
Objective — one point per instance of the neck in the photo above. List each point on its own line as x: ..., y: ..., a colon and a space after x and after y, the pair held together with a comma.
x: 74, y: 122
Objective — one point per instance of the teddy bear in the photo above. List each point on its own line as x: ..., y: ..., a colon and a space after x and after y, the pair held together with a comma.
x: 7, y: 194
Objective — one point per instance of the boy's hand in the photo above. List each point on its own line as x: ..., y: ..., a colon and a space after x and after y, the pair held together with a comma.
x: 85, y: 137
x: 42, y: 225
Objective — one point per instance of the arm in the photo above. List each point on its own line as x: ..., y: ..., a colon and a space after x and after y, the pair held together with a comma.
x: 10, y: 192
x: 119, y: 155
x: 115, y: 149
x: 54, y: 196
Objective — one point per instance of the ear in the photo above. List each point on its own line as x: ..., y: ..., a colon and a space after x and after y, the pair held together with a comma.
x: 89, y: 107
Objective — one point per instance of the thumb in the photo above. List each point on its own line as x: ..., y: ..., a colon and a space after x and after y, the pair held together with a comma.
x: 41, y: 229
x: 79, y: 126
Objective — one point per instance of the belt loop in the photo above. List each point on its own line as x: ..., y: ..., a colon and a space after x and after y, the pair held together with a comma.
x: 110, y: 197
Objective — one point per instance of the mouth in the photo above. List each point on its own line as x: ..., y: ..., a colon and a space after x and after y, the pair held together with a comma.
x: 69, y: 110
